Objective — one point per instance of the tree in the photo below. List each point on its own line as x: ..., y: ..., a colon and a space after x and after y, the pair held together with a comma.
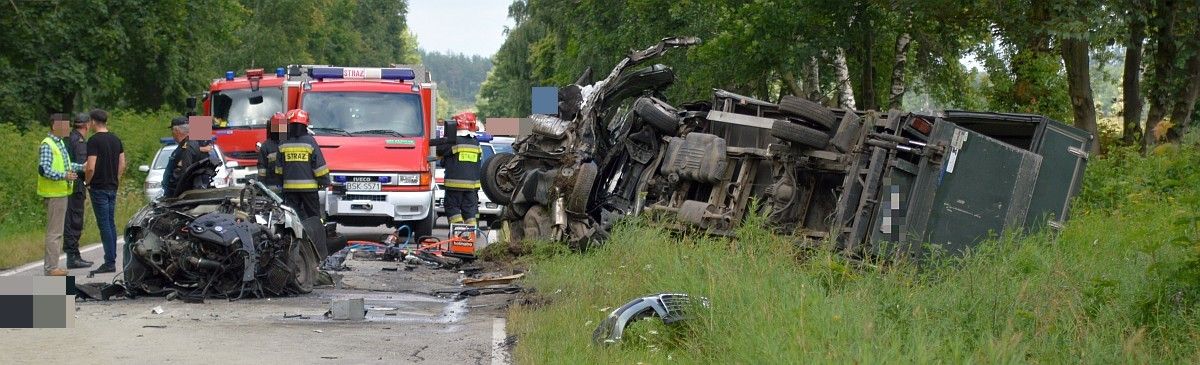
x: 1131, y: 127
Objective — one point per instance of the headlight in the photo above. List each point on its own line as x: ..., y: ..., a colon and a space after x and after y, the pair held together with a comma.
x: 152, y: 185
x: 408, y: 179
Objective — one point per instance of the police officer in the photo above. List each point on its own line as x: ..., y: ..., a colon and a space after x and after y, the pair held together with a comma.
x: 269, y: 169
x: 303, y: 167
x: 185, y: 155
x: 77, y: 147
x: 460, y: 154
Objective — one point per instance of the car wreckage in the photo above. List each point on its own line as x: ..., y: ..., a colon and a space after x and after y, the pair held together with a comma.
x: 221, y: 243
x: 870, y: 182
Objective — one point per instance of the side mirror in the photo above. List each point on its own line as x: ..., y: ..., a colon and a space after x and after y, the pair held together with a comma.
x: 231, y: 164
x: 144, y: 168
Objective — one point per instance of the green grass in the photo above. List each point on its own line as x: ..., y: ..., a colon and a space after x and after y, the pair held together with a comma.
x: 1110, y: 288
x: 22, y: 226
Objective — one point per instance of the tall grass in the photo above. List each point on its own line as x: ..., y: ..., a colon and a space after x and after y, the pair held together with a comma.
x: 1109, y: 288
x: 23, y: 221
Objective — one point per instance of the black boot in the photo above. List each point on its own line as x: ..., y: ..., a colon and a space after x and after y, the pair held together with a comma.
x: 77, y: 262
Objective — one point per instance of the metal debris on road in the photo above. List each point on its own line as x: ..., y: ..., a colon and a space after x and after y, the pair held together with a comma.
x: 491, y: 280
x: 157, y: 310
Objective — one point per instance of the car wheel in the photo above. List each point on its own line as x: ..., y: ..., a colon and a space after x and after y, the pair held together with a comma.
x: 581, y: 189
x: 795, y: 133
x: 304, y: 263
x: 809, y: 111
x: 490, y: 181
x: 662, y: 117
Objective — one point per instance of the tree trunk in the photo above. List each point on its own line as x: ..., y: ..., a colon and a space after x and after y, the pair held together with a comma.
x: 869, y: 99
x: 1164, y: 59
x: 1075, y: 57
x: 845, y: 90
x: 1131, y: 130
x: 1185, y: 99
x: 898, y: 70
x: 813, y: 80
x: 790, y: 79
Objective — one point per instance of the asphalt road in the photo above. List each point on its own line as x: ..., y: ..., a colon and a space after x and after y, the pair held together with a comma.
x: 404, y: 325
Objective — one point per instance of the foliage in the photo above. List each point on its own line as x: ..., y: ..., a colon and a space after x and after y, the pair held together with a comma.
x: 1108, y: 288
x: 72, y: 55
x: 458, y: 76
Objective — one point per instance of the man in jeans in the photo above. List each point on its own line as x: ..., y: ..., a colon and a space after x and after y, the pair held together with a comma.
x: 56, y: 173
x: 77, y: 145
x: 103, y: 171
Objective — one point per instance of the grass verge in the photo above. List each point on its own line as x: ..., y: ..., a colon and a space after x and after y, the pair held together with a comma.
x: 1116, y: 285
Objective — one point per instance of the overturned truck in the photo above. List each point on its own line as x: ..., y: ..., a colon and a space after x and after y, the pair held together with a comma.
x: 871, y: 182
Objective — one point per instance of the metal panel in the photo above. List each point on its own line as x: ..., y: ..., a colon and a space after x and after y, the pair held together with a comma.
x: 1063, y: 150
x: 980, y: 187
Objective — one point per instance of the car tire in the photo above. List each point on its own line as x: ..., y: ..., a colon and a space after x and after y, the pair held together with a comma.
x: 304, y: 261
x: 489, y: 183
x: 808, y: 110
x: 795, y: 133
x: 581, y: 189
x: 662, y: 117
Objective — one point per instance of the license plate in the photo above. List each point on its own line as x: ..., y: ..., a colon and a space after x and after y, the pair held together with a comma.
x: 363, y: 186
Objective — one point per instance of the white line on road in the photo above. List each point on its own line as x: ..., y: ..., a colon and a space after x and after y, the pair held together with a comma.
x: 63, y: 257
x: 500, y: 355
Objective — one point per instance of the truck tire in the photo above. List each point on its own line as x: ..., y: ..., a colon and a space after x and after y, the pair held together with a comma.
x: 423, y: 227
x: 662, y: 117
x: 808, y: 110
x: 581, y: 189
x: 795, y: 133
x: 489, y: 183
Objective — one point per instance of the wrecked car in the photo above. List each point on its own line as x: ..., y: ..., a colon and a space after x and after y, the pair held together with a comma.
x: 221, y: 243
x: 871, y: 182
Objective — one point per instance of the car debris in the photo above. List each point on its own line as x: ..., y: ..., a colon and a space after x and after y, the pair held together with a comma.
x: 157, y: 310
x: 873, y: 183
x: 491, y: 280
x: 670, y: 307
x: 347, y: 309
x: 221, y: 243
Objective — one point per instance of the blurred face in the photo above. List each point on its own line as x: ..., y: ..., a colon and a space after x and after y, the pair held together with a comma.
x: 178, y: 134
x: 61, y: 128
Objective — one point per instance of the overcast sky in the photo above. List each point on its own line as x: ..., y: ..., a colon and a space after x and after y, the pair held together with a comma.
x: 464, y: 26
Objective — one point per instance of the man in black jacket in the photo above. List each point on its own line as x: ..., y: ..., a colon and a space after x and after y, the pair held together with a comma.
x: 304, y: 171
x: 77, y: 148
x: 186, y: 154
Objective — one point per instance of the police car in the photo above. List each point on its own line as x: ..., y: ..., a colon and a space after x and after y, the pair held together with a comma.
x: 155, y: 170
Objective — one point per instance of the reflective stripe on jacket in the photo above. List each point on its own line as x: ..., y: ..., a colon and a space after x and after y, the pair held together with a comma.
x: 461, y: 161
x: 302, y: 164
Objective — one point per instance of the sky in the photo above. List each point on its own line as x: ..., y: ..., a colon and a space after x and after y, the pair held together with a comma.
x: 472, y: 27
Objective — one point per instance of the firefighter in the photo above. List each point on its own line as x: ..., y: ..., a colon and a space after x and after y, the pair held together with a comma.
x: 303, y: 167
x: 460, y: 154
x: 269, y: 168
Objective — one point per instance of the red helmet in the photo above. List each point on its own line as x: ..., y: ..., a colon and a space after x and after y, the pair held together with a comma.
x: 278, y: 118
x: 297, y: 116
x: 466, y: 121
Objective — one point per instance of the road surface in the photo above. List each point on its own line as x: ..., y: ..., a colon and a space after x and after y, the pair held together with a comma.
x: 405, y: 326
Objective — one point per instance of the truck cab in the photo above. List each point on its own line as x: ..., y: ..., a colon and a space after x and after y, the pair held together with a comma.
x: 373, y: 126
x: 241, y: 107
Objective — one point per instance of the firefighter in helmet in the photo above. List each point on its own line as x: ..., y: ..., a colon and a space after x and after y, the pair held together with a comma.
x: 269, y: 169
x: 303, y: 168
x: 460, y: 154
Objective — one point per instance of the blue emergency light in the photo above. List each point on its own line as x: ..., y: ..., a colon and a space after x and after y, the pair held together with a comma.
x: 167, y: 141
x: 279, y: 72
x: 363, y: 73
x: 385, y: 179
x: 339, y: 179
x: 229, y: 75
x: 483, y: 137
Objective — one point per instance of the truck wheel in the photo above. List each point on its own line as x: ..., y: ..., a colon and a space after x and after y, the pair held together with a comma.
x: 808, y: 110
x: 424, y: 227
x: 490, y: 183
x: 795, y: 133
x: 581, y: 189
x: 663, y: 117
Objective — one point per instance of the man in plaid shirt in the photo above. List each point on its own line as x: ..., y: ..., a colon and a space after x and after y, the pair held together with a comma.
x: 56, y: 173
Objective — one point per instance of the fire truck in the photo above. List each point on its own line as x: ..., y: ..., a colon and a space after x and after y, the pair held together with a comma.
x: 373, y: 126
x: 241, y: 107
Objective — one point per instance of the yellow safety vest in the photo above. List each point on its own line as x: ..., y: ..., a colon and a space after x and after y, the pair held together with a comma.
x: 47, y: 188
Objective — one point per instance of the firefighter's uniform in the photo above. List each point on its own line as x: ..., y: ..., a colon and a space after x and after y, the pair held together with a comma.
x: 269, y: 169
x: 460, y: 156
x: 303, y: 170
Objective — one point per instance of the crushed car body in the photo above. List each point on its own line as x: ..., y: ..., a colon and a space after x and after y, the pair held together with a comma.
x: 872, y: 182
x: 221, y: 243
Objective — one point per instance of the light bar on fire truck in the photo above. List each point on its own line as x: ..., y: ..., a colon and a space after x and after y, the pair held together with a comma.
x: 363, y: 73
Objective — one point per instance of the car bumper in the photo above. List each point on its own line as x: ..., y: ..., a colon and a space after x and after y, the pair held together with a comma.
x: 485, y: 207
x: 399, y: 206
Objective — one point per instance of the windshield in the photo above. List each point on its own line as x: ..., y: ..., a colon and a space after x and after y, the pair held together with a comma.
x: 502, y: 147
x: 233, y: 106
x: 164, y: 154
x: 365, y: 113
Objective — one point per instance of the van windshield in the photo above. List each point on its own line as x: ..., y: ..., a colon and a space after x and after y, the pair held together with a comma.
x: 233, y: 107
